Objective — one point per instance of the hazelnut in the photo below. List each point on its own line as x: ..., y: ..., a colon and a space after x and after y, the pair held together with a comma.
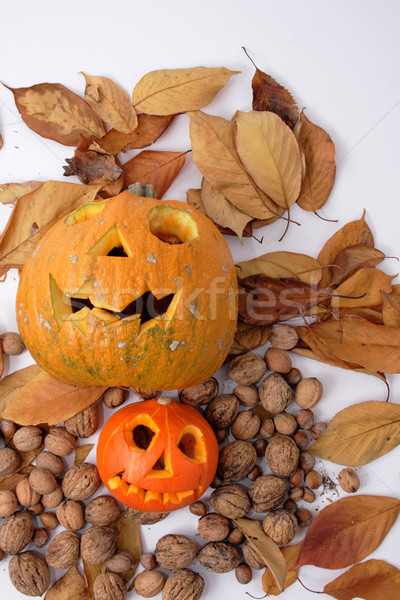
x: 231, y: 500
x: 247, y: 368
x: 267, y: 492
x: 49, y: 520
x: 222, y: 410
x: 63, y: 550
x: 12, y: 343
x: 243, y: 573
x: 313, y: 479
x: 29, y: 573
x: 318, y: 429
x: 27, y: 438
x: 290, y: 505
x: 98, y: 544
x: 42, y: 481
x: 260, y: 446
x: 54, y: 498
x: 304, y: 516
x: 81, y: 481
x: 85, y: 423
x: 102, y: 511
x: 213, y: 527
x: 282, y: 456
x: 235, y: 536
x: 199, y: 394
x: 9, y: 461
x: 16, y: 532
x: 183, y: 584
x: 278, y: 360
x: 267, y: 428
x: 275, y: 393
x: 59, y: 441
x: 294, y: 376
x: 198, y: 508
x: 40, y: 537
x: 8, y: 503
x: 307, y: 461
x: 236, y: 460
x: 281, y: 526
x: 285, y: 423
x: 115, y: 396
x: 25, y: 494
x: 301, y: 439
x: 308, y: 495
x: 254, y: 473
x: 120, y: 562
x: 175, y: 551
x: 51, y: 462
x: 221, y: 434
x: 297, y: 478
x: 7, y: 427
x: 70, y: 515
x: 148, y: 561
x: 296, y: 493
x: 349, y: 480
x: 251, y: 557
x: 283, y: 337
x: 149, y: 583
x: 305, y: 418
x: 109, y: 586
x: 308, y: 392
x: 36, y: 509
x: 247, y: 394
x: 246, y: 425
x: 219, y: 557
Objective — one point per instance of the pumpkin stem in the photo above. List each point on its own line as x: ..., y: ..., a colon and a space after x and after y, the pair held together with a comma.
x: 164, y: 400
x: 144, y: 191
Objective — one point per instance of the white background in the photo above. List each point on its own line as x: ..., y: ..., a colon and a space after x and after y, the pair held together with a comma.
x: 339, y: 59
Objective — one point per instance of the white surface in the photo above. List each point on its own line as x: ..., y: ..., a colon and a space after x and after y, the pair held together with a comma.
x: 339, y: 59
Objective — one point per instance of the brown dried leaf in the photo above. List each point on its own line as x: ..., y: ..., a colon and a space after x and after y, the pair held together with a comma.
x: 248, y: 337
x: 82, y: 452
x: 391, y: 309
x: 111, y: 102
x: 371, y: 580
x: 270, y: 153
x: 352, y: 259
x: 113, y: 188
x: 172, y: 91
x: 70, y: 586
x: 91, y: 572
x: 1, y: 359
x: 11, y: 481
x: 39, y: 210
x: 291, y: 554
x: 282, y: 264
x: 215, y: 154
x: 221, y: 211
x: 348, y: 530
x: 150, y: 128
x: 54, y: 112
x: 45, y: 399
x: 128, y: 530
x: 92, y: 167
x: 10, y: 385
x: 10, y: 192
x: 320, y: 166
x: 363, y: 289
x: 193, y: 198
x: 265, y: 547
x: 27, y: 457
x: 359, y: 434
x: 157, y: 167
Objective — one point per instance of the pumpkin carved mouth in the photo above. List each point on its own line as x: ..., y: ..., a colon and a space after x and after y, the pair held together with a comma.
x: 146, y: 496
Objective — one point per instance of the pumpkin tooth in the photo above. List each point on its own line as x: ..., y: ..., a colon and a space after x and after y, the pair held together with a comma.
x: 170, y: 497
x: 152, y: 496
x: 114, y: 482
x: 138, y: 491
x: 182, y: 495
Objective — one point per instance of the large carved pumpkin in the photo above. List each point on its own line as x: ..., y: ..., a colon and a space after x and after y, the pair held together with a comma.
x: 130, y: 292
x: 157, y: 455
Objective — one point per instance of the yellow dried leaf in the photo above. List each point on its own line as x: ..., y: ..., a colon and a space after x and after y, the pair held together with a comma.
x: 282, y: 264
x: 10, y: 482
x: 269, y: 150
x: 172, y: 91
x: 70, y: 586
x: 221, y: 211
x: 82, y: 452
x: 111, y: 102
x: 292, y: 555
x: 10, y: 192
x: 391, y: 309
x: 10, y: 385
x: 351, y: 259
x: 363, y: 288
x: 91, y: 572
x: 193, y: 198
x: 128, y: 530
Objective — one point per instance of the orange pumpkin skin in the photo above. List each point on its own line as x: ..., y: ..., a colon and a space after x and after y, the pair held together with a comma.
x: 72, y: 296
x: 183, y: 442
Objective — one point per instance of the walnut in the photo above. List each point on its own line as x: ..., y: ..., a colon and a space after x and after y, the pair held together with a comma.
x: 70, y: 515
x: 98, y: 544
x: 247, y: 394
x: 199, y: 394
x: 308, y: 392
x: 247, y: 368
x: 115, y: 396
x: 8, y: 503
x: 25, y: 494
x: 251, y: 557
x: 149, y: 583
x: 213, y: 527
x: 27, y: 438
x: 102, y: 510
x: 275, y: 393
x: 349, y: 480
x: 236, y: 460
x: 175, y: 551
x: 63, y: 550
x: 148, y: 518
x: 51, y: 462
x: 281, y: 526
x: 9, y: 461
x: 183, y: 584
x: 278, y: 360
x: 16, y: 532
x: 12, y: 343
x: 267, y: 492
x: 109, y: 586
x: 231, y: 501
x: 283, y: 337
x: 246, y: 425
x: 219, y: 557
x: 59, y: 441
x: 285, y: 423
x: 42, y: 481
x: 85, y: 423
x: 144, y: 394
x: 282, y: 456
x: 29, y: 573
x: 54, y: 498
x: 120, y: 562
x: 222, y: 410
x: 81, y: 481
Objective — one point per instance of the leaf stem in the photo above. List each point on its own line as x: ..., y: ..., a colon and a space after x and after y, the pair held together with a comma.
x: 249, y: 57
x: 308, y: 589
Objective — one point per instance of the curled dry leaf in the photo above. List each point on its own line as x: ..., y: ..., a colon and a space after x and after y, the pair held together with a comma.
x: 265, y: 547
x: 359, y: 434
x: 91, y: 572
x: 11, y: 481
x: 172, y: 91
x: 221, y: 211
x: 82, y: 452
x: 282, y: 264
x: 128, y: 530
x: 10, y: 192
x: 54, y: 112
x: 70, y: 586
x: 363, y: 289
x: 270, y: 153
x: 194, y: 199
x: 320, y: 166
x: 1, y: 359
x: 291, y: 555
x: 351, y: 259
x: 248, y: 337
x: 10, y: 385
x: 348, y: 530
x: 391, y: 309
x: 111, y: 102
x: 157, y: 167
x: 93, y: 167
x: 371, y: 580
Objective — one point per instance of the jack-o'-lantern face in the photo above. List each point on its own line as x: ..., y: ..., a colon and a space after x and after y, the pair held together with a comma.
x: 157, y: 455
x: 130, y: 291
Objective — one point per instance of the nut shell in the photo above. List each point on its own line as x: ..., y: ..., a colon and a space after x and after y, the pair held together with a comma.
x: 308, y: 392
x: 8, y: 503
x: 183, y: 584
x: 213, y: 527
x: 109, y: 586
x: 283, y: 337
x: 281, y: 526
x: 246, y: 425
x: 278, y: 360
x: 349, y: 480
x: 231, y: 501
x: 29, y: 573
x: 267, y: 492
x: 199, y: 394
x: 27, y: 438
x: 70, y: 515
x: 42, y: 481
x: 63, y: 550
x: 59, y: 441
x: 51, y: 462
x: 12, y: 343
x: 119, y: 562
x: 219, y: 557
x: 25, y: 494
x: 85, y: 423
x: 54, y: 498
x: 149, y: 583
x: 251, y: 557
x: 222, y: 410
x: 275, y: 393
x: 9, y: 461
x: 236, y: 460
x: 115, y: 396
x: 282, y: 456
x: 16, y: 532
x: 247, y: 394
x: 98, y: 544
x: 102, y: 511
x: 175, y: 551
x: 247, y: 368
x: 81, y: 481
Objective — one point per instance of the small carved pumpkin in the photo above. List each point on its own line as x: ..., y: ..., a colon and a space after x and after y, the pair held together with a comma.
x: 157, y: 455
x: 130, y: 291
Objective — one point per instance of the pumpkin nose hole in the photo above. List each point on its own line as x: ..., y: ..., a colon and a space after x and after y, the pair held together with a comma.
x: 172, y: 225
x: 160, y: 464
x: 187, y: 445
x: 117, y: 251
x: 142, y: 436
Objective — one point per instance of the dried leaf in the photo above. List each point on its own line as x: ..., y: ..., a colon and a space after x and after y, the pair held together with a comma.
x: 248, y: 337
x: 92, y: 167
x: 82, y: 452
x: 291, y: 555
x: 351, y: 259
x: 54, y: 112
x: 157, y: 167
x: 91, y: 572
x: 320, y: 171
x: 1, y: 142
x: 282, y: 264
x: 150, y: 128
x: 111, y: 102
x: 10, y: 385
x: 45, y: 399
x: 26, y: 456
x: 359, y: 434
x: 1, y: 359
x: 39, y: 210
x: 11, y: 481
x: 215, y: 154
x: 70, y: 586
x: 172, y: 91
x: 265, y: 547
x: 371, y: 580
x: 193, y: 198
x: 10, y: 192
x: 391, y: 309
x: 128, y: 530
x: 221, y: 211
x: 363, y: 289
x: 270, y: 153
x: 351, y: 234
